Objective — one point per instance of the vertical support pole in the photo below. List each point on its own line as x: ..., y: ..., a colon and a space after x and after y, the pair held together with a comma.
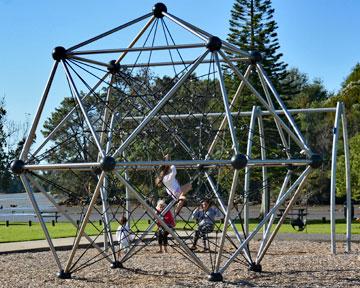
x: 333, y: 178
x: 247, y: 169
x: 348, y: 179
x: 265, y: 206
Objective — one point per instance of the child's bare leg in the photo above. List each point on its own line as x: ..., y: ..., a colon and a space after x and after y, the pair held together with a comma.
x: 179, y: 205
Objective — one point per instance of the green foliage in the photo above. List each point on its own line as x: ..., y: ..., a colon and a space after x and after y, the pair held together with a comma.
x: 354, y: 146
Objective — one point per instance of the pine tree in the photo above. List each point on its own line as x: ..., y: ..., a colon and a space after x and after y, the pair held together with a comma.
x: 252, y: 28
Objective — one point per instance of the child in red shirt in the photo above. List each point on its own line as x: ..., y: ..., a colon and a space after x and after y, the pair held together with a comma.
x: 162, y: 234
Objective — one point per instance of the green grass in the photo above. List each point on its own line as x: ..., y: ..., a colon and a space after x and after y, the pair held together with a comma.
x: 22, y: 232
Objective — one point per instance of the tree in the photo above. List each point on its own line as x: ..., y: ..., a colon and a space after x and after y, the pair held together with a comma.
x: 354, y: 144
x: 252, y: 28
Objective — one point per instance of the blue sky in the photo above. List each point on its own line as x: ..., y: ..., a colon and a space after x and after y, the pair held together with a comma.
x: 320, y: 37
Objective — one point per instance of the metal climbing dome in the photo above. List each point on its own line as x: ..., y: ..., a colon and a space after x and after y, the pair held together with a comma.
x: 122, y: 109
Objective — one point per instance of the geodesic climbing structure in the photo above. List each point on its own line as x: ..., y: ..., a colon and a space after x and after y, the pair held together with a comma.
x: 120, y: 110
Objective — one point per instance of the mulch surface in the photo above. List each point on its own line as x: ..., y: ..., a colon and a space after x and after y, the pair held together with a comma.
x: 287, y: 264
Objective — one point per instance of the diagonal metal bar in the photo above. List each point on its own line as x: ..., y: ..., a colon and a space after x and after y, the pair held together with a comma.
x: 102, y: 35
x: 29, y: 140
x: 66, y: 118
x: 52, y: 133
x: 265, y: 219
x: 30, y: 193
x: 129, y: 254
x: 272, y: 218
x: 185, y: 26
x: 84, y: 222
x: 282, y: 105
x: 263, y: 102
x: 278, y: 126
x: 203, y: 34
x: 158, y: 106
x: 227, y: 218
x: 161, y: 221
x: 223, y: 208
x: 226, y: 105
x: 82, y: 108
x: 63, y: 212
x: 223, y: 122
x: 281, y: 220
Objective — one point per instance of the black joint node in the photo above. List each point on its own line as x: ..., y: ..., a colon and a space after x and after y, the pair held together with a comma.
x: 17, y: 166
x: 255, y: 267
x: 239, y: 161
x: 316, y: 161
x: 255, y: 57
x: 59, y: 53
x: 97, y: 170
x: 107, y: 164
x: 214, y: 44
x: 291, y: 167
x: 113, y: 67
x: 158, y: 9
x: 200, y: 167
x: 63, y: 275
x: 116, y: 265
x: 215, y: 277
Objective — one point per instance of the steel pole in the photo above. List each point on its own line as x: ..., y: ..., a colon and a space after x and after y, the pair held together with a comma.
x: 247, y: 169
x: 30, y: 193
x: 29, y: 140
x: 262, y: 222
x: 163, y: 224
x: 158, y: 106
x: 333, y: 177
x: 348, y: 179
x: 67, y: 216
x: 281, y: 221
x: 84, y: 222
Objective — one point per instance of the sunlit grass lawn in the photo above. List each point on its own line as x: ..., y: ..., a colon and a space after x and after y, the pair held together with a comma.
x: 22, y: 232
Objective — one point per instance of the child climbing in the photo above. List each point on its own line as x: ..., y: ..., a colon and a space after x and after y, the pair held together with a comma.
x: 162, y: 234
x: 167, y: 177
x: 205, y: 216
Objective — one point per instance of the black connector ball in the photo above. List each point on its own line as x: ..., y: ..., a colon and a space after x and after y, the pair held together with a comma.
x: 107, y: 164
x: 113, y: 67
x: 116, y: 265
x: 59, y: 53
x: 255, y: 57
x: 215, y: 277
x: 158, y: 9
x: 63, y: 275
x: 255, y: 267
x: 316, y: 161
x: 214, y: 44
x: 239, y: 161
x: 17, y: 166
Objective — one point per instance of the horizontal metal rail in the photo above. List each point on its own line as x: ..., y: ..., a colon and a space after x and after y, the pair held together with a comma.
x: 180, y: 164
x: 243, y: 114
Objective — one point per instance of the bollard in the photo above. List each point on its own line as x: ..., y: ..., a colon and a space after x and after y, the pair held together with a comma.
x: 7, y: 223
x: 30, y: 223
